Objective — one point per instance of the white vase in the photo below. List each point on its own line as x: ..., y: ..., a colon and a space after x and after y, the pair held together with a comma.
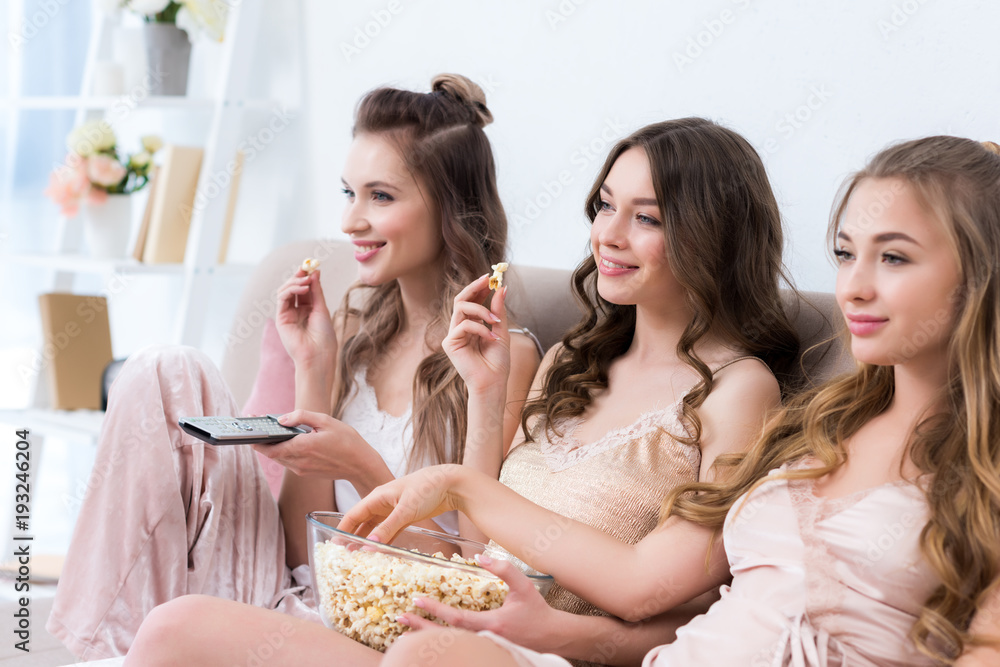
x: 107, y: 226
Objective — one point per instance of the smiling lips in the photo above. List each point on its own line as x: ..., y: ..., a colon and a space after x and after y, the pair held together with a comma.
x: 608, y: 267
x: 365, y: 250
x: 862, y: 325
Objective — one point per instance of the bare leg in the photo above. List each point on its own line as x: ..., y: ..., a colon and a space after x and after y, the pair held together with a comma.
x: 198, y: 630
x: 447, y: 647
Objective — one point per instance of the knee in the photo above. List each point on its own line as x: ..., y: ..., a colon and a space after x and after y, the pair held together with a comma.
x: 156, y: 642
x: 161, y: 356
x: 440, y: 647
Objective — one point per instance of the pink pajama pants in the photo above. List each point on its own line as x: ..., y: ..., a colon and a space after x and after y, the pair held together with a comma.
x: 166, y: 514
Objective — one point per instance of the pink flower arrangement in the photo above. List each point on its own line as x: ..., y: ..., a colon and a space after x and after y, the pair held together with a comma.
x: 93, y: 168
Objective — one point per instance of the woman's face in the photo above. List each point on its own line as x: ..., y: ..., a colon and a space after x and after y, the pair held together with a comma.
x: 627, y: 239
x: 898, y: 276
x: 393, y: 224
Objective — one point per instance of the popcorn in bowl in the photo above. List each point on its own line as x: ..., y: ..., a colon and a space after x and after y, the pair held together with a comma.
x: 363, y: 586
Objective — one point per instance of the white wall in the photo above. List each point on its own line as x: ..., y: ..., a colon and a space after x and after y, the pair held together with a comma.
x: 817, y: 87
x: 563, y: 80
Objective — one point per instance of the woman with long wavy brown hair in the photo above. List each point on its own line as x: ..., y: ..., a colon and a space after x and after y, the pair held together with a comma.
x: 665, y: 372
x: 862, y: 528
x: 177, y: 516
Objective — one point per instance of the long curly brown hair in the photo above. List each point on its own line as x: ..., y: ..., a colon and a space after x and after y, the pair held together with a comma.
x: 958, y: 180
x: 723, y: 242
x: 440, y: 137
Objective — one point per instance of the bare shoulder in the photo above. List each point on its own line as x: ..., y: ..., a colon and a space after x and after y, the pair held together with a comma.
x: 743, y: 397
x: 522, y: 347
x: 550, y: 357
x: 745, y: 387
x: 747, y: 376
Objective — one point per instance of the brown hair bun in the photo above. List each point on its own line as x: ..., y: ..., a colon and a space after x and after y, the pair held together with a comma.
x: 466, y: 91
x: 991, y: 146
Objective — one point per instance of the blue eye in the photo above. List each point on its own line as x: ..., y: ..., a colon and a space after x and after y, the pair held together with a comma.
x: 380, y: 196
x: 605, y: 206
x: 842, y: 255
x: 348, y: 192
x: 647, y: 220
x: 893, y: 259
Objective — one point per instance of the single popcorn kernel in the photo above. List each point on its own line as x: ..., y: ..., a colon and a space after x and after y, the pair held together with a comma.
x: 309, y: 265
x: 496, y: 280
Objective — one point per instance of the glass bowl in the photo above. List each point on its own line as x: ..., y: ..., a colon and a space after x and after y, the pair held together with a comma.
x: 363, y: 586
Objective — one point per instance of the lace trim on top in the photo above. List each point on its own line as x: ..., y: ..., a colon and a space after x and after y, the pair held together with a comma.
x: 564, y: 452
x: 825, y: 591
x: 363, y: 412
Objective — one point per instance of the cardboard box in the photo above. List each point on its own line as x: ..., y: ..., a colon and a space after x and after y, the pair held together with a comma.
x: 77, y: 335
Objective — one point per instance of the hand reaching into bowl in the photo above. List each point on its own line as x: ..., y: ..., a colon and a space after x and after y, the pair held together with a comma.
x: 524, y: 617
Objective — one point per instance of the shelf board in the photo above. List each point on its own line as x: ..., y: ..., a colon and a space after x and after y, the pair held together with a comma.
x: 84, y: 264
x: 72, y: 102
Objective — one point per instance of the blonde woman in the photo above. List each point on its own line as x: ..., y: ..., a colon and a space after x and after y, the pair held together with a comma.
x: 862, y: 529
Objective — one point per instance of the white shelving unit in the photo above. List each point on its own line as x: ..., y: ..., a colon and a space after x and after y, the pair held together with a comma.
x: 216, y: 118
x: 222, y: 111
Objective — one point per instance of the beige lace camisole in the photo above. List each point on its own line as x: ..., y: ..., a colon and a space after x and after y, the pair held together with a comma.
x: 616, y: 483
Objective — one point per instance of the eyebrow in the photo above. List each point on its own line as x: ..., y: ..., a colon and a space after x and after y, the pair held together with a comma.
x: 373, y: 184
x: 638, y: 201
x: 884, y: 237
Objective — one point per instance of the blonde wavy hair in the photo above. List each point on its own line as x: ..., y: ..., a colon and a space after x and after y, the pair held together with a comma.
x: 439, y: 135
x: 959, y: 449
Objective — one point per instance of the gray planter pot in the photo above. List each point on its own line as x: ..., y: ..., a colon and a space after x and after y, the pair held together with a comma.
x: 168, y: 56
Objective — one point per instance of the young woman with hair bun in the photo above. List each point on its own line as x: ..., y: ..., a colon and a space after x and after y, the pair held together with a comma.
x: 177, y: 516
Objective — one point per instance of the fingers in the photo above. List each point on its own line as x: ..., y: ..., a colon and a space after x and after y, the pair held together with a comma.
x: 294, y: 295
x: 365, y: 529
x: 301, y: 285
x: 461, y: 333
x: 319, y: 299
x: 387, y: 531
x: 476, y: 291
x: 469, y: 311
x: 293, y: 418
x: 454, y: 617
x: 315, y: 420
x: 470, y: 318
x: 367, y: 515
x: 507, y: 571
x: 416, y: 622
x: 498, y: 304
